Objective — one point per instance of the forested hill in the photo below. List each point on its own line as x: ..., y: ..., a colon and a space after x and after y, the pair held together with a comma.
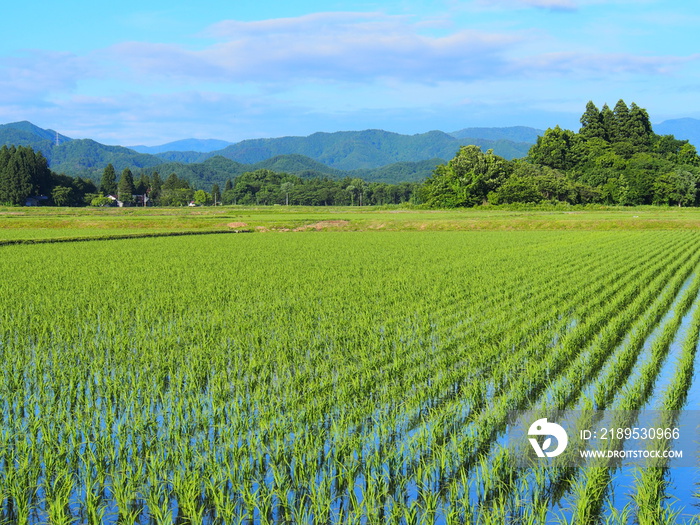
x: 352, y: 150
x: 217, y: 170
x: 614, y: 158
x: 74, y: 157
x: 27, y: 134
x: 325, y: 153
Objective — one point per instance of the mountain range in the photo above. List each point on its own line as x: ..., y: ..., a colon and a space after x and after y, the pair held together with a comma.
x: 374, y: 155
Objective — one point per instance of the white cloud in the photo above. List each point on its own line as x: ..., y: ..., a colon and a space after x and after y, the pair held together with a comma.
x: 573, y: 64
x: 554, y: 5
x: 354, y: 47
x: 369, y: 47
x: 36, y: 73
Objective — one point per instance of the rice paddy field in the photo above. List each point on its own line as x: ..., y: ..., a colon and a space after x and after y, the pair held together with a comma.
x: 340, y: 373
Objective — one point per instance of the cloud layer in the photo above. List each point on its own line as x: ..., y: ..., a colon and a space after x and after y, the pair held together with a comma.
x: 554, y: 5
x: 341, y: 69
x: 348, y: 47
x: 365, y: 47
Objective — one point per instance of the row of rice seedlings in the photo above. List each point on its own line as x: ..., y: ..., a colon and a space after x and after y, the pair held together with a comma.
x: 181, y: 400
x: 430, y: 398
x: 593, y: 297
x: 438, y: 425
x: 610, y: 380
x: 578, y: 373
x: 567, y: 387
x: 484, y: 469
x: 650, y: 482
x: 597, y: 474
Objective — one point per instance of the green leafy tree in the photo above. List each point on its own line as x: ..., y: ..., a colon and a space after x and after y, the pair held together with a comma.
x: 358, y: 191
x: 531, y: 183
x: 466, y: 180
x: 556, y: 149
x: 688, y: 155
x: 215, y: 193
x: 517, y: 189
x: 352, y: 190
x: 100, y: 201
x: 62, y: 195
x: 201, y: 197
x: 228, y: 197
x: 678, y: 187
x: 177, y: 197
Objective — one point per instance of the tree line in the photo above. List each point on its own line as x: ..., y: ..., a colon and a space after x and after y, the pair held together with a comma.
x: 259, y: 187
x: 24, y: 174
x: 268, y: 187
x: 615, y: 158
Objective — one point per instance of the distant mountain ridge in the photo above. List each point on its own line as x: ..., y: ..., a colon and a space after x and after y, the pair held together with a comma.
x: 357, y: 149
x: 75, y: 157
x: 197, y: 145
x: 681, y: 128
x: 513, y: 134
x: 344, y: 150
x: 351, y: 150
x: 373, y: 155
x: 27, y: 134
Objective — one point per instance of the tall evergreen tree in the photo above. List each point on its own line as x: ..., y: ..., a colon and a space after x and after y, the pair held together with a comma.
x: 16, y: 178
x: 5, y: 182
x: 639, y: 127
x: 125, y: 189
x: 592, y: 123
x: 229, y: 185
x: 173, y: 182
x: 142, y: 185
x: 621, y: 122
x: 156, y: 186
x: 608, y: 118
x: 108, y: 183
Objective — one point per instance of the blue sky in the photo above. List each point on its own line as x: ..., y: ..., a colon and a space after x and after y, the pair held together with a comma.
x: 150, y: 72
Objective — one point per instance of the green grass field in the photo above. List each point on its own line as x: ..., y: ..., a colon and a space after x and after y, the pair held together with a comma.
x: 361, y: 374
x: 50, y: 223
